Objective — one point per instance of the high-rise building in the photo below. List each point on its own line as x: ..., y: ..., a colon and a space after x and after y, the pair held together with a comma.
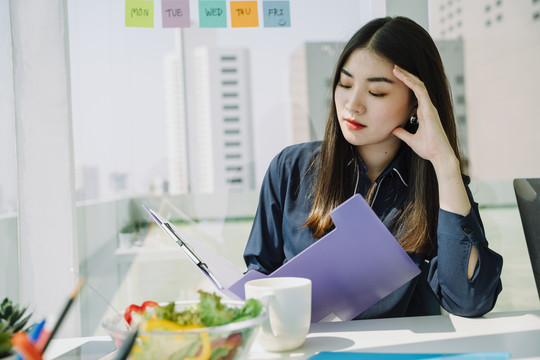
x: 87, y: 183
x: 312, y: 66
x: 501, y: 50
x: 451, y: 52
x: 176, y: 124
x: 209, y: 120
x: 223, y: 142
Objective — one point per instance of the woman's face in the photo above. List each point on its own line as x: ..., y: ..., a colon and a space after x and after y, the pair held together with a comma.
x: 370, y: 101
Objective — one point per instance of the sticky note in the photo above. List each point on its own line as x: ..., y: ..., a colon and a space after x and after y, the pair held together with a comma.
x: 140, y: 13
x: 212, y: 14
x: 175, y: 13
x: 276, y: 14
x: 244, y: 14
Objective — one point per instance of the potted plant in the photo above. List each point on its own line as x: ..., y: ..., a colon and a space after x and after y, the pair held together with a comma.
x: 13, y: 319
x: 130, y: 233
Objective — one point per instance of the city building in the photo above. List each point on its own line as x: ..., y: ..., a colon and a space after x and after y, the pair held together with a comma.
x: 500, y: 55
x: 176, y: 124
x: 451, y: 52
x: 311, y: 71
x: 209, y: 128
x: 222, y: 126
x: 87, y: 184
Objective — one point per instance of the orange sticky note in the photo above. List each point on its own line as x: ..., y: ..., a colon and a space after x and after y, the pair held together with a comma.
x: 244, y: 14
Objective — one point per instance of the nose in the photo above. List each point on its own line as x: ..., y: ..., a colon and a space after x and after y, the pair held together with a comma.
x: 355, y: 104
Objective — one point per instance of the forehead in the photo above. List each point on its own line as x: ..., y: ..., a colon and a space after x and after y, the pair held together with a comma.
x: 367, y: 61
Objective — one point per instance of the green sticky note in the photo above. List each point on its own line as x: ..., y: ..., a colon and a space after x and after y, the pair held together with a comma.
x: 212, y: 14
x: 140, y: 13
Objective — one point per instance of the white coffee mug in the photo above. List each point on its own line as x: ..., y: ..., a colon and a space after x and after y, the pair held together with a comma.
x: 288, y: 302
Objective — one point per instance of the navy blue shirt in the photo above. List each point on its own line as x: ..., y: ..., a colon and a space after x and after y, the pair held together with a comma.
x: 278, y: 235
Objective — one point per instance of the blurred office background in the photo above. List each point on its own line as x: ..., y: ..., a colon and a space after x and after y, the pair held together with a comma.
x: 98, y: 118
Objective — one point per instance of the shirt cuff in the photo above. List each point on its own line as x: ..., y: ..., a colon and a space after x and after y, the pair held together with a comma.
x: 458, y: 226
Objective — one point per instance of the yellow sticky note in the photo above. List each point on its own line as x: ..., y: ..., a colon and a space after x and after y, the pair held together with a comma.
x: 140, y: 13
x: 244, y: 14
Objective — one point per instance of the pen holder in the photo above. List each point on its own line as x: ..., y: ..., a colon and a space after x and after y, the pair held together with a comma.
x: 26, y: 348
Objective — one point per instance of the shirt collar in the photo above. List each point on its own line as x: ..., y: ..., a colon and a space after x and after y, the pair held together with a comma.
x: 397, y: 169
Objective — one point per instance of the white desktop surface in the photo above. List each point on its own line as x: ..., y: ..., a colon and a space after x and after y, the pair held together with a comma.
x: 515, y: 332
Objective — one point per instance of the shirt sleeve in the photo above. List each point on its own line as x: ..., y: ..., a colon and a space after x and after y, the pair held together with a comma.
x: 264, y: 249
x: 457, y: 294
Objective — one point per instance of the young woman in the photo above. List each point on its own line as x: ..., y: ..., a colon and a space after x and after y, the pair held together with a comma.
x: 390, y: 137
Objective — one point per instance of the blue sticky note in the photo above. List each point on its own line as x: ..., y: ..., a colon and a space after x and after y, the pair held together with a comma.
x: 276, y: 14
x: 212, y: 14
x: 406, y: 356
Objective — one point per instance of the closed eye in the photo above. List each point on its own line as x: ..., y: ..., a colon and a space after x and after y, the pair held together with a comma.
x: 340, y: 84
x: 376, y: 94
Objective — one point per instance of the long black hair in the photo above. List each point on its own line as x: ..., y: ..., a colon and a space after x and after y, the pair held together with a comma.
x: 403, y: 42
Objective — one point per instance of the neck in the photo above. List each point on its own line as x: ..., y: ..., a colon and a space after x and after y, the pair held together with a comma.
x: 377, y: 159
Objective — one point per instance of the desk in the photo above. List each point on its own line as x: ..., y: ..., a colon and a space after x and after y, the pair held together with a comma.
x: 515, y: 332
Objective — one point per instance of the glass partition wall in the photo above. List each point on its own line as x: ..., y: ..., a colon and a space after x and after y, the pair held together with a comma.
x: 9, y: 281
x: 186, y: 120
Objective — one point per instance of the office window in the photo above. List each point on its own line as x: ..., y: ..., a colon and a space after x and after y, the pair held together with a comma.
x: 234, y: 181
x: 234, y: 168
x: 9, y: 251
x: 228, y: 58
x: 135, y: 121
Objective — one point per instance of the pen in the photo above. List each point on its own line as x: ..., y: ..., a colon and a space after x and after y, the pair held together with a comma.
x: 127, y: 345
x: 70, y: 301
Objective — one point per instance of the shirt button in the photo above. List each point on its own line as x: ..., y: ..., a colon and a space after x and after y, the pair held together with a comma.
x: 467, y: 229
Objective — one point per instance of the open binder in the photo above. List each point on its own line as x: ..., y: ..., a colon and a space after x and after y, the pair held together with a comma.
x: 351, y: 268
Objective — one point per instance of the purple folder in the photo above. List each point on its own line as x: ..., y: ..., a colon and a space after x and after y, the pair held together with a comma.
x: 351, y: 268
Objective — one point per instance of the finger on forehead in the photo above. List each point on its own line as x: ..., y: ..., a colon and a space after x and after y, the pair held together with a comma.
x: 412, y: 81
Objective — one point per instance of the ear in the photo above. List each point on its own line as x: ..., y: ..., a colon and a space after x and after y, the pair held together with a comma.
x: 413, y: 106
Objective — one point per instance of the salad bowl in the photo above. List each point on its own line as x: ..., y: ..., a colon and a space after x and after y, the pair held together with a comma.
x: 227, y: 342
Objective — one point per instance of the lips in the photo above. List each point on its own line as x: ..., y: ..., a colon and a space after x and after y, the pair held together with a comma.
x: 353, y: 125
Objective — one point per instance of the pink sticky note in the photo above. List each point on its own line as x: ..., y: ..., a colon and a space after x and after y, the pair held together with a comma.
x: 175, y: 13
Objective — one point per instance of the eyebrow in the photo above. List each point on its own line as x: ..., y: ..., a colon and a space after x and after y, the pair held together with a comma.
x: 371, y: 79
